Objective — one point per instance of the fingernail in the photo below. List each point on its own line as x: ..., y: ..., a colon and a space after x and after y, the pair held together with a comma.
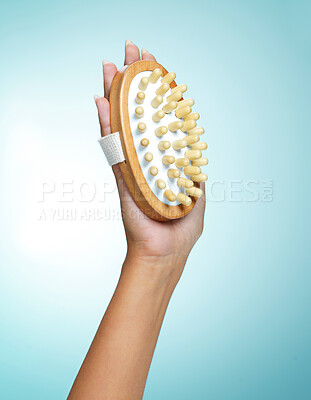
x: 127, y: 42
x: 143, y: 51
x: 105, y: 62
x: 96, y: 97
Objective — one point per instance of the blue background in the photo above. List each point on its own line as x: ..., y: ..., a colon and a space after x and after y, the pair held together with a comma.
x: 238, y: 326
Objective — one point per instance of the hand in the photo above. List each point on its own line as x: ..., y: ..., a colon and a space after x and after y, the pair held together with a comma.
x: 117, y: 363
x: 148, y: 239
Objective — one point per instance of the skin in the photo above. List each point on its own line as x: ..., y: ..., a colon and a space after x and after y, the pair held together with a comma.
x: 117, y: 363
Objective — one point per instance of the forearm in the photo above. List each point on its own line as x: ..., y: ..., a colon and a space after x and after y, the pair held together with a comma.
x: 117, y: 364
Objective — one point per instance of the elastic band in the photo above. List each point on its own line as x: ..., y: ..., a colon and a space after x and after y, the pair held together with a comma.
x: 111, y: 145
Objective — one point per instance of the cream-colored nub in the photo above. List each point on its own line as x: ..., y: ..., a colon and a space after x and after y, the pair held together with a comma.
x: 185, y: 103
x: 155, y: 75
x: 192, y: 170
x: 174, y: 96
x: 143, y: 83
x: 179, y: 144
x: 167, y: 160
x: 182, y: 162
x: 194, y: 116
x: 182, y: 88
x: 140, y: 97
x: 198, y: 146
x: 190, y: 124
x: 196, y: 131
x: 162, y: 89
x: 184, y: 182
x: 183, y: 199
x: 164, y: 145
x: 193, y: 154
x: 199, y: 178
x: 153, y: 171
x: 141, y: 127
x: 144, y: 142
x: 169, y: 195
x: 169, y: 107
x: 168, y: 78
x: 174, y: 126
x: 139, y: 112
x: 194, y: 191
x: 160, y: 184
x: 156, y: 101
x: 162, y: 130
x: 173, y: 173
x: 158, y: 116
x: 200, y: 162
x: 183, y: 111
x: 190, y: 139
x: 148, y: 157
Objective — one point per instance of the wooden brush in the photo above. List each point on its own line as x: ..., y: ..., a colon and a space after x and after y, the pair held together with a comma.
x: 161, y: 140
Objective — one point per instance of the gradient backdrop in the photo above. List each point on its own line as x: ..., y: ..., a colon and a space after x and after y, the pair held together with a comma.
x: 238, y: 326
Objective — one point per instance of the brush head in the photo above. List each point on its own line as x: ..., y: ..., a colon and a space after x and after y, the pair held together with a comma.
x: 160, y: 136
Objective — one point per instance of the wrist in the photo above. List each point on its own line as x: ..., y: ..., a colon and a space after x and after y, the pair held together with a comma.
x: 163, y: 271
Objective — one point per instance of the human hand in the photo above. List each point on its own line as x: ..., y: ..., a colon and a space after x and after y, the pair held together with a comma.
x: 147, y: 239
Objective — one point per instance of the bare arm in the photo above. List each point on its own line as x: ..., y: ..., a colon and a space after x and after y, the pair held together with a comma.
x: 118, y: 361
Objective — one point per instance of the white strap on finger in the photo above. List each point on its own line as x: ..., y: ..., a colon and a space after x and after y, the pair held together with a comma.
x: 112, y: 148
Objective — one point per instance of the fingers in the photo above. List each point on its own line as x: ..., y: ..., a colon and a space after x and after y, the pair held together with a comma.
x: 131, y: 53
x: 109, y: 71
x: 145, y: 55
x: 103, y: 109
